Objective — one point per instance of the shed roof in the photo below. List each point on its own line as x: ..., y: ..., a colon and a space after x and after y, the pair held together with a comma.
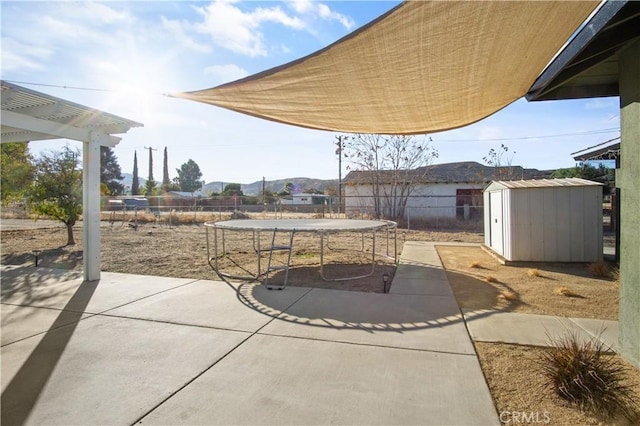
x: 540, y: 183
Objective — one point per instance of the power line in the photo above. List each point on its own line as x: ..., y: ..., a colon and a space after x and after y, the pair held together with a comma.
x: 589, y: 132
x: 59, y: 86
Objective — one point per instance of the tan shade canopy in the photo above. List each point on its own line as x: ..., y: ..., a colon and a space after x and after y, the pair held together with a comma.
x: 423, y: 67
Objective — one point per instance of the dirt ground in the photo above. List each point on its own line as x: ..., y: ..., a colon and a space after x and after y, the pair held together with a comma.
x: 511, y: 371
x: 479, y: 281
x: 182, y: 252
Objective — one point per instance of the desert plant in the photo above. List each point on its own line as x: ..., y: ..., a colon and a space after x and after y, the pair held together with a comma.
x: 565, y: 291
x: 600, y: 269
x: 509, y: 295
x: 534, y: 273
x: 582, y: 373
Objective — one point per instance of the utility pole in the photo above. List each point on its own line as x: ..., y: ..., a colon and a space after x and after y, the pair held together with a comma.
x: 150, y: 161
x: 264, y: 202
x: 339, y: 152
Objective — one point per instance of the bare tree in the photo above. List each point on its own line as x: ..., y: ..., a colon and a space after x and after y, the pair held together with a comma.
x: 501, y: 159
x: 392, y: 165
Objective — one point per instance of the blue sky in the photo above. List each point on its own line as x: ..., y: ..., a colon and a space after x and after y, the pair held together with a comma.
x: 140, y: 50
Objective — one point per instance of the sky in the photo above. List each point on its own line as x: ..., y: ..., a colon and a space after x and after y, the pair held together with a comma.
x: 135, y: 52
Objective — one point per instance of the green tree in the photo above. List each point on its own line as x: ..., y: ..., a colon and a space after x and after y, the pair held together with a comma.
x: 287, y: 190
x: 189, y: 176
x: 110, y: 171
x: 16, y: 172
x: 232, y: 189
x: 150, y: 187
x: 135, y: 181
x: 166, y: 182
x: 57, y: 189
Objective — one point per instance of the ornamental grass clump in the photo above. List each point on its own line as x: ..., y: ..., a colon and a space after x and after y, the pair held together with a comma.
x: 585, y: 375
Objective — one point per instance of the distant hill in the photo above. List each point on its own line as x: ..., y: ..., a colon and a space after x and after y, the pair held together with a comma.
x: 300, y: 184
x: 128, y: 178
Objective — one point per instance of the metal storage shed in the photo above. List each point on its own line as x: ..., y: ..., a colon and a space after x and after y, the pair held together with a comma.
x: 547, y: 220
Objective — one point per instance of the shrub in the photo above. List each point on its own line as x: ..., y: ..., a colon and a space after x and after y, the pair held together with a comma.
x: 475, y: 265
x: 582, y: 373
x: 599, y: 269
x: 509, y: 295
x: 491, y: 279
x: 565, y: 291
x: 534, y: 273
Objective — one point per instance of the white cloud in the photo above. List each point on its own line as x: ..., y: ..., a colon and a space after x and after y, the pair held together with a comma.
x: 225, y: 73
x: 178, y: 30
x: 321, y: 10
x: 600, y: 104
x: 97, y: 13
x: 238, y: 30
x: 17, y: 56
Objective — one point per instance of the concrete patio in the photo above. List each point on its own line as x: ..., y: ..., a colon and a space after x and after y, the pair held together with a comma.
x: 129, y: 349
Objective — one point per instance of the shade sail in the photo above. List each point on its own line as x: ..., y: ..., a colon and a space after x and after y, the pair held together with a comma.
x: 422, y: 67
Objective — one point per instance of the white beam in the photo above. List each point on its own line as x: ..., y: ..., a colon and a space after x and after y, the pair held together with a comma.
x: 91, y: 206
x: 55, y: 129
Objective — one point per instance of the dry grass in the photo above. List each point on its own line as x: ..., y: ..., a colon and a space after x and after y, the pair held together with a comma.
x: 565, y: 291
x: 534, y: 273
x: 509, y: 295
x: 475, y: 265
x: 600, y: 269
x: 491, y: 279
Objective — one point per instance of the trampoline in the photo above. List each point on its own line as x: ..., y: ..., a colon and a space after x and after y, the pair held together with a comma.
x: 322, y: 227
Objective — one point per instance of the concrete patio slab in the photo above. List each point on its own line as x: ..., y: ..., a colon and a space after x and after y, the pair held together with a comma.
x: 20, y: 322
x: 214, y: 304
x: 530, y: 329
x: 278, y: 380
x: 426, y: 272
x: 605, y: 330
x: 104, y: 370
x: 394, y: 320
x: 425, y: 287
x: 48, y: 289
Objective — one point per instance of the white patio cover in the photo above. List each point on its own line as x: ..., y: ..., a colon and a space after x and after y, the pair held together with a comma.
x: 423, y: 67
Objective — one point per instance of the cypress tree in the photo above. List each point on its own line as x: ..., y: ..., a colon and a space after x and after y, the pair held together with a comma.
x: 135, y: 182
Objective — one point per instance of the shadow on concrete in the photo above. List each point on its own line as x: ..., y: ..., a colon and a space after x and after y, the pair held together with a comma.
x: 24, y: 389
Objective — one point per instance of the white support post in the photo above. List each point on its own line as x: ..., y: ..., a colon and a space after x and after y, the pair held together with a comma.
x: 91, y: 206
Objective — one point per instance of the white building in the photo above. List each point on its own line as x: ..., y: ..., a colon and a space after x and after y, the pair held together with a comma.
x: 451, y: 190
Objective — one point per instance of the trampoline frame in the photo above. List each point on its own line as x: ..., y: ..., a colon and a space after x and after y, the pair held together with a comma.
x: 289, y: 225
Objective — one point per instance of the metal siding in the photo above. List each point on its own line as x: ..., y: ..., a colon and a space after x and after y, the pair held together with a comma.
x: 563, y: 221
x: 487, y: 218
x: 576, y: 200
x: 536, y: 215
x: 507, y: 224
x: 550, y: 226
x: 497, y: 221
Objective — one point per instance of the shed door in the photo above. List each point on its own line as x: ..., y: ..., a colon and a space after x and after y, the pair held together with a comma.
x: 495, y: 203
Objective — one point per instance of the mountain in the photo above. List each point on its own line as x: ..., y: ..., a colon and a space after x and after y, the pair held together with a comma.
x: 300, y: 184
x: 128, y: 178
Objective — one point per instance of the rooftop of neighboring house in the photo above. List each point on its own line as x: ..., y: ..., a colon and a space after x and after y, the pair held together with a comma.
x: 461, y: 172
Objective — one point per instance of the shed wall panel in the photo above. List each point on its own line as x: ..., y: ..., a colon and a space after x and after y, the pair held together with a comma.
x: 538, y: 225
x: 576, y: 207
x: 550, y: 221
x: 507, y: 223
x: 487, y: 218
x: 563, y: 229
